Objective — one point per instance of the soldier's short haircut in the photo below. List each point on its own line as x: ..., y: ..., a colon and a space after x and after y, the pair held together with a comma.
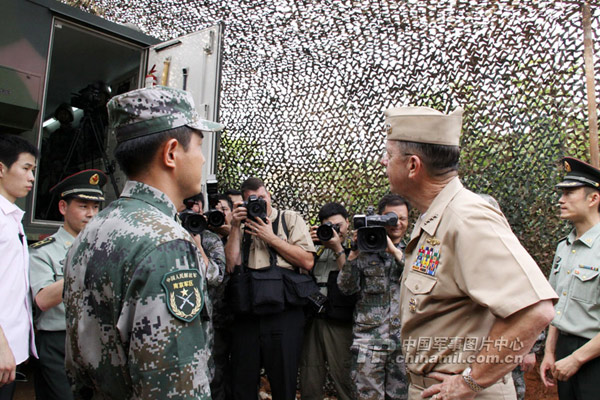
x: 331, y: 209
x: 391, y: 200
x: 12, y: 146
x: 252, y: 183
x: 135, y: 155
x: 438, y: 159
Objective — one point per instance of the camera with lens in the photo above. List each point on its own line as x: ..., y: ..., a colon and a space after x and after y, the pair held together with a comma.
x: 196, y: 223
x: 193, y: 222
x: 371, y: 235
x: 256, y: 208
x: 325, y: 231
x: 92, y: 97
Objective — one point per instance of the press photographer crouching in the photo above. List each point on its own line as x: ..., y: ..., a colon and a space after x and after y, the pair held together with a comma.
x: 268, y: 253
x: 373, y: 272
x: 328, y: 334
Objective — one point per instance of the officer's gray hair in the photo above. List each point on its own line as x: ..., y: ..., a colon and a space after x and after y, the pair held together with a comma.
x: 438, y: 159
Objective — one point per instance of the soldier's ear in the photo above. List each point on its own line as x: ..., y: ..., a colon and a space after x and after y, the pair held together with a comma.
x: 169, y: 152
x: 62, y: 206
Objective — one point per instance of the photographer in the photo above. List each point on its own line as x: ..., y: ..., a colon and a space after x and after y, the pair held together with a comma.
x: 270, y: 240
x: 378, y: 369
x: 327, y: 337
x: 211, y: 247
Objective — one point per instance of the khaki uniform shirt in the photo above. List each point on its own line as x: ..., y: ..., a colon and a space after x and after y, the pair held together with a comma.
x: 46, y: 263
x: 464, y: 268
x: 575, y: 277
x: 298, y: 235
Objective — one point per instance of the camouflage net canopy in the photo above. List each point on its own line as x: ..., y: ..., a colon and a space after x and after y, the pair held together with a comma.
x: 304, y: 86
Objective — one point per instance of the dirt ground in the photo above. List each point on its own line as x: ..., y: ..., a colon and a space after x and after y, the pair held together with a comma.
x: 535, y: 388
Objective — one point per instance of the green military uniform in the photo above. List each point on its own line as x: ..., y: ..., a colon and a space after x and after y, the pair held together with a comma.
x: 135, y: 286
x: 575, y: 276
x: 326, y: 343
x: 46, y: 260
x: 215, y: 252
x: 378, y: 368
x: 134, y: 289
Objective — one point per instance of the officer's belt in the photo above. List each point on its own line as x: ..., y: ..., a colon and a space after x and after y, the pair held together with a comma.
x: 421, y: 381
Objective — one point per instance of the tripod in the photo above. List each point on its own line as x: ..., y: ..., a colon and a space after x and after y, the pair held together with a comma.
x: 88, y: 124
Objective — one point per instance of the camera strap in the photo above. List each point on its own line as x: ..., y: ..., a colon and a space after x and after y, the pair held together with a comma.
x: 246, y: 241
x: 272, y: 252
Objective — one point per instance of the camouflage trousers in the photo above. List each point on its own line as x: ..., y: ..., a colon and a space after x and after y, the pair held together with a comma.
x: 378, y: 372
x: 519, y: 378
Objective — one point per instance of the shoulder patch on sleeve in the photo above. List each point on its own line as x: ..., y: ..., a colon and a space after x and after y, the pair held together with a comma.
x: 43, y: 242
x: 184, y: 293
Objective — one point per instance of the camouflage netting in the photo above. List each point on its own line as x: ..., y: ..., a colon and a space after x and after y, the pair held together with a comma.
x: 305, y: 83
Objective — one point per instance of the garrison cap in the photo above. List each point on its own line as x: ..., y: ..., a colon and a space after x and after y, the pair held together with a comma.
x: 423, y: 125
x: 147, y: 111
x: 85, y: 185
x: 579, y: 173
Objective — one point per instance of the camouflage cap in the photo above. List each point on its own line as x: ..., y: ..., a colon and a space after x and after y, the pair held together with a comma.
x: 147, y: 111
x: 85, y: 185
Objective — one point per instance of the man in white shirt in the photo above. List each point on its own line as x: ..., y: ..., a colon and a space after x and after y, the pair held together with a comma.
x: 17, y: 167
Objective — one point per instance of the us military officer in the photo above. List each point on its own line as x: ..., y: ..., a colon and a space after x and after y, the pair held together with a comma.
x: 80, y: 195
x: 573, y: 342
x: 134, y: 282
x: 473, y: 301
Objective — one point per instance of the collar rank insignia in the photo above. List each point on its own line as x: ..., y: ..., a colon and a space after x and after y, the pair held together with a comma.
x: 427, y: 260
x: 184, y: 295
x: 433, y: 241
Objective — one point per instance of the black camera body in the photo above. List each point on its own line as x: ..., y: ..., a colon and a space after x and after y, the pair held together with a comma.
x: 193, y: 222
x: 371, y: 235
x: 196, y: 223
x: 325, y: 231
x: 256, y: 208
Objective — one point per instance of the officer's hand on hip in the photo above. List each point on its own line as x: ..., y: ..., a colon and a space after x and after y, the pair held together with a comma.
x: 452, y: 387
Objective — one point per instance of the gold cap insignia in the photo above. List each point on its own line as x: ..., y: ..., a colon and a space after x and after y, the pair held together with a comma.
x: 94, y: 179
x: 567, y: 167
x: 387, y: 129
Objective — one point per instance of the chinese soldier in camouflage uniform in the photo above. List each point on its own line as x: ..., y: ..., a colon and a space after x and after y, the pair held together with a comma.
x: 378, y: 369
x: 80, y: 195
x: 134, y: 282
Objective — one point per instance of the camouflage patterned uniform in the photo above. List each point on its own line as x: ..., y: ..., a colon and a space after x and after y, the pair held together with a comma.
x: 518, y: 375
x: 134, y: 290
x: 377, y: 366
x: 215, y: 252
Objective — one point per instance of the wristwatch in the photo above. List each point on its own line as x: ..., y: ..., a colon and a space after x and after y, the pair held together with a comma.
x: 337, y: 254
x: 470, y: 381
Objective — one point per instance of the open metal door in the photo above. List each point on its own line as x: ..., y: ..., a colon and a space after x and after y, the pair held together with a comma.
x: 193, y: 63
